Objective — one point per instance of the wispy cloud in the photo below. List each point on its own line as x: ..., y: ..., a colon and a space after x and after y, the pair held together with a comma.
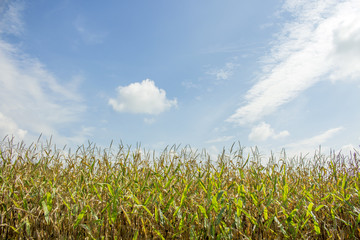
x: 307, y: 145
x: 221, y: 139
x: 87, y: 34
x: 190, y: 85
x: 320, y: 42
x: 32, y: 101
x: 349, y: 148
x: 263, y: 131
x: 142, y: 97
x: 223, y: 73
x: 9, y: 126
x: 10, y: 20
x: 149, y: 121
x: 244, y: 48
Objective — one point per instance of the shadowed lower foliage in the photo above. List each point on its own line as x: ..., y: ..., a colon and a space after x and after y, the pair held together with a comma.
x: 180, y: 194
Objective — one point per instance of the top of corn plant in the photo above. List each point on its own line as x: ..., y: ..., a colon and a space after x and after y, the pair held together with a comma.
x: 177, y: 194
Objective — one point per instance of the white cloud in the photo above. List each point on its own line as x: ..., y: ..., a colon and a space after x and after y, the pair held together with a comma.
x: 10, y: 20
x: 220, y: 139
x: 346, y: 149
x: 224, y: 72
x: 149, y: 120
x: 142, y: 97
x: 190, y: 84
x: 9, y: 127
x: 308, y: 144
x: 29, y: 92
x: 263, y: 131
x: 321, y: 42
x: 87, y: 34
x: 346, y: 52
x: 32, y: 101
x: 281, y: 134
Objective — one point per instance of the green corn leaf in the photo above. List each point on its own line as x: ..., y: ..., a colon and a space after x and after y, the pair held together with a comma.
x: 214, y: 204
x: 285, y: 192
x: 307, y: 219
x: 209, y: 189
x: 27, y: 226
x: 72, y: 197
x: 15, y: 203
x: 169, y: 182
x: 110, y: 189
x: 282, y: 229
x: 242, y: 189
x: 332, y: 213
x: 358, y: 219
x: 87, y: 228
x: 342, y: 220
x: 80, y: 216
x: 319, y: 207
x: 176, y: 211
x: 49, y: 201
x: 25, y: 204
x: 219, y: 216
x: 316, y: 224
x: 159, y: 234
x: 326, y: 197
x: 184, y: 195
x: 266, y: 213
x: 246, y: 162
x: 252, y: 219
x: 169, y: 203
x: 219, y: 195
x: 240, y: 204
x: 136, y: 199
x: 106, y: 207
x: 309, y: 209
x: 156, y: 214
x: 317, y: 228
x: 221, y: 172
x: 147, y: 210
x: 161, y: 216
x: 344, y: 183
x: 126, y: 215
x: 46, y: 212
x: 254, y: 199
x: 145, y: 182
x: 181, y: 224
x: 113, y: 215
x: 96, y: 191
x: 203, y: 211
x: 149, y: 198
x: 135, y: 237
x: 14, y: 229
x: 67, y: 205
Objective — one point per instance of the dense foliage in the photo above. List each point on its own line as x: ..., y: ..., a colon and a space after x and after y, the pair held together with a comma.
x: 179, y: 194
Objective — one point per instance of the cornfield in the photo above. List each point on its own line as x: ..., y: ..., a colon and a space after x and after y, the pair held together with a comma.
x: 119, y: 193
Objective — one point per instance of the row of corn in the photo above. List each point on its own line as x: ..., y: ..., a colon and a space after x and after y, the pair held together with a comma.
x: 179, y: 194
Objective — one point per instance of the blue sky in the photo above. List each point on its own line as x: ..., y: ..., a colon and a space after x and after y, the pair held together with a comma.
x: 275, y: 74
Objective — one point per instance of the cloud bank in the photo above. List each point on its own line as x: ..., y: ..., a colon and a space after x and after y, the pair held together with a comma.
x: 142, y: 97
x: 320, y: 42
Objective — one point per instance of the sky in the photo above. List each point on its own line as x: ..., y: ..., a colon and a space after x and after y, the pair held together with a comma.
x: 273, y: 74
